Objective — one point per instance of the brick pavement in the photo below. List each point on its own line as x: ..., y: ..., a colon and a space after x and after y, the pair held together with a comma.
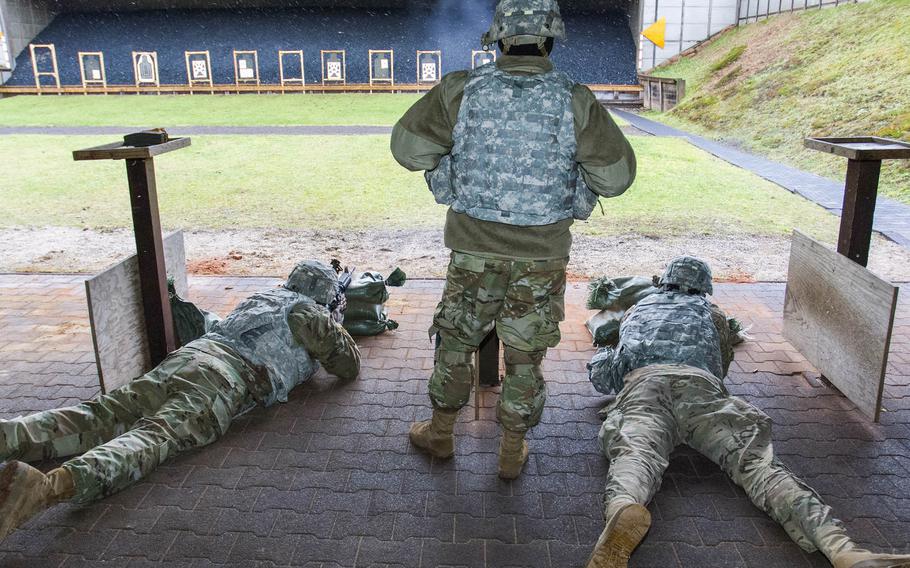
x: 329, y: 479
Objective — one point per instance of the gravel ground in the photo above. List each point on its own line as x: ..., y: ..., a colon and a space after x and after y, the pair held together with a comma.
x: 420, y: 253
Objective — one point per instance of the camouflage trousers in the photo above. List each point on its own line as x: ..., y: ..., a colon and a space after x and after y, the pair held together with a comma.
x: 524, y: 300
x: 662, y: 406
x: 186, y: 402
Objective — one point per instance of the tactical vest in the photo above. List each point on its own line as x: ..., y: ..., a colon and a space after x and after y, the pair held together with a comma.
x: 670, y: 328
x: 258, y: 330
x: 513, y: 160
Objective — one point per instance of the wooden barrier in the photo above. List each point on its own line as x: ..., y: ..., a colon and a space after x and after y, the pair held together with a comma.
x: 661, y: 93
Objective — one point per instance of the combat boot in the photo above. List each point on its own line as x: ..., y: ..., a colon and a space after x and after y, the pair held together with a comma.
x: 858, y: 558
x: 26, y: 491
x: 624, y: 531
x: 513, y: 453
x: 435, y: 436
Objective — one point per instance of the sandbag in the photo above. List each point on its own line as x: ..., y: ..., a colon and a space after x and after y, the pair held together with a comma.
x: 366, y: 296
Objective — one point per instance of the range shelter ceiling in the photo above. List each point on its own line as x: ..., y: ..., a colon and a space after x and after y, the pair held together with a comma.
x: 600, y: 47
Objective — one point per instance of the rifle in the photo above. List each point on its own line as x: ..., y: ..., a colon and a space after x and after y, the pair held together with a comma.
x: 345, y: 277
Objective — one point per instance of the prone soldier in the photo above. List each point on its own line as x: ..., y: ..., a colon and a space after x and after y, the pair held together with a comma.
x: 272, y: 342
x: 674, y: 349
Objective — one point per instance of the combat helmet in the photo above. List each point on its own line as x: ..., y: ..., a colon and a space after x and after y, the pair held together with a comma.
x: 525, y: 21
x: 689, y: 274
x: 314, y: 279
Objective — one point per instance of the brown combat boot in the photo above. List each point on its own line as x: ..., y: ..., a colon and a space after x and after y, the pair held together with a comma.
x: 624, y: 531
x: 513, y: 453
x: 26, y: 491
x: 859, y: 558
x: 435, y: 436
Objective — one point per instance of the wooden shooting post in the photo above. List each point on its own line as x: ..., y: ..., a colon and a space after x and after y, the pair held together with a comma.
x: 140, y: 173
x: 837, y: 313
x: 864, y: 155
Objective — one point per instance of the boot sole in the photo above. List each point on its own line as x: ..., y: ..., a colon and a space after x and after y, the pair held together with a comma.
x: 620, y: 538
x: 878, y: 564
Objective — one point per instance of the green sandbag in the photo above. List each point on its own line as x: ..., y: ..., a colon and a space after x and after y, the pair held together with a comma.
x: 619, y: 293
x: 365, y: 313
x: 604, y: 327
x: 366, y: 328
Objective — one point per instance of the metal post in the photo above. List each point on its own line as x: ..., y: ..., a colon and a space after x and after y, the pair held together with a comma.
x: 150, y: 255
x: 859, y: 209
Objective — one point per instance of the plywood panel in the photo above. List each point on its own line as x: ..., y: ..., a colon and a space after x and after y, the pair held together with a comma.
x: 115, y: 312
x: 839, y: 315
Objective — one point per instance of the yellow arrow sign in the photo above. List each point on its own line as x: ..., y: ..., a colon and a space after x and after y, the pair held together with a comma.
x: 656, y: 32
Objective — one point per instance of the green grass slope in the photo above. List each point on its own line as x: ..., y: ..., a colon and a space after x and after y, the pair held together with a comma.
x: 834, y: 72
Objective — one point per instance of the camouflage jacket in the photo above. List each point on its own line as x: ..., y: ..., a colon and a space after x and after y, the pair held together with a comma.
x: 513, y: 160
x: 669, y: 328
x: 259, y: 329
x: 606, y: 162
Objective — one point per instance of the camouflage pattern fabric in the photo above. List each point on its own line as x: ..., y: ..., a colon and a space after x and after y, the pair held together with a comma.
x: 665, y: 328
x: 325, y: 339
x: 663, y: 406
x: 513, y: 161
x: 186, y: 402
x: 524, y: 300
x: 258, y: 330
x: 688, y: 274
x: 525, y: 18
x: 315, y: 280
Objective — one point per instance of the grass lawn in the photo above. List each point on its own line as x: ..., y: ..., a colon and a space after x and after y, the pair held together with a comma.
x: 839, y: 72
x: 355, y: 109
x: 337, y: 181
x: 206, y: 110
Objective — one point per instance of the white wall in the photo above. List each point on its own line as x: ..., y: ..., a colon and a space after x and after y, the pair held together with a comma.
x: 22, y: 21
x: 688, y: 22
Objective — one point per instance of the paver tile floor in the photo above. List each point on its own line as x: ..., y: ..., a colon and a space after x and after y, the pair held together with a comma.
x: 329, y: 479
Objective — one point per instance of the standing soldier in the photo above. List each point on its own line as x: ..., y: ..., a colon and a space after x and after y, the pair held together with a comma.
x: 518, y: 151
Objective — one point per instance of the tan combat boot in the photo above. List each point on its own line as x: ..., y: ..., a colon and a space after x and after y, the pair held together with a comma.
x: 624, y: 531
x: 859, y: 558
x: 513, y: 453
x: 26, y: 491
x: 435, y: 436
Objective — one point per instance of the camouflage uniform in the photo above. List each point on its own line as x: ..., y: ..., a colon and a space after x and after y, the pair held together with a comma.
x: 673, y: 349
x: 524, y: 301
x: 268, y: 345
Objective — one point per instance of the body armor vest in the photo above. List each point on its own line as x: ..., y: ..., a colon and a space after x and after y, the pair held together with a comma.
x: 258, y: 330
x: 670, y: 328
x: 513, y: 160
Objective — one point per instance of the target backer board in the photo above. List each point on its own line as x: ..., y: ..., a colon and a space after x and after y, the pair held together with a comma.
x: 246, y: 67
x: 198, y: 68
x: 382, y: 66
x: 145, y: 68
x: 91, y: 66
x: 290, y: 67
x: 44, y: 63
x: 334, y: 66
x: 117, y: 317
x: 479, y: 58
x: 429, y: 67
